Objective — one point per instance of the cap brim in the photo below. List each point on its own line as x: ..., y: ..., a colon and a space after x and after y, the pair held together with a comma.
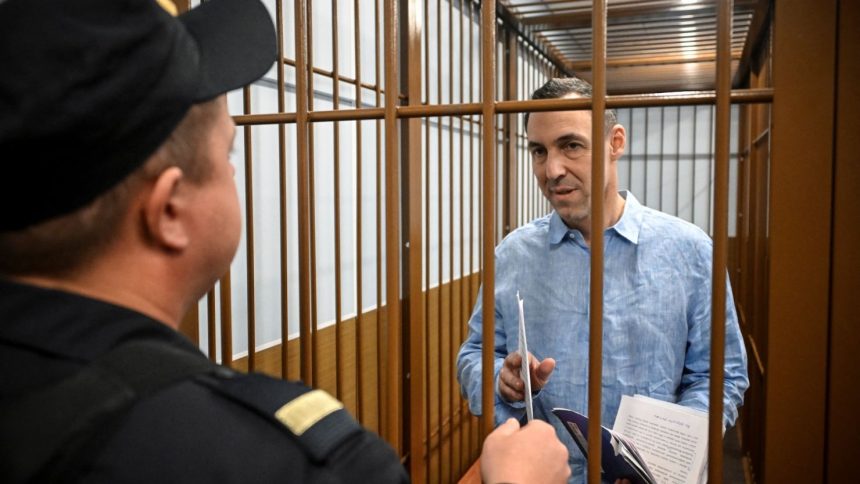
x: 237, y: 44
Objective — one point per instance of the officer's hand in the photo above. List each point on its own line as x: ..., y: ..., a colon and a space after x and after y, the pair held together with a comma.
x: 529, y: 454
x: 511, y: 385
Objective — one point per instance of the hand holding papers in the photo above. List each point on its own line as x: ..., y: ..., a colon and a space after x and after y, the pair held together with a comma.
x: 672, y: 441
x: 521, y: 372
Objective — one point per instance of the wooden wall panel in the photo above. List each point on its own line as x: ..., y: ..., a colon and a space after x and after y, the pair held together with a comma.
x: 752, y: 263
x: 843, y: 426
x: 799, y: 240
x: 453, y: 444
x: 269, y: 362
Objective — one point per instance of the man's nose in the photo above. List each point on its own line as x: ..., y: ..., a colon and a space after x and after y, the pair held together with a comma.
x: 554, y: 165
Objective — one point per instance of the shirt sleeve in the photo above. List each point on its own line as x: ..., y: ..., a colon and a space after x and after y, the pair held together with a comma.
x: 469, y: 365
x: 695, y: 381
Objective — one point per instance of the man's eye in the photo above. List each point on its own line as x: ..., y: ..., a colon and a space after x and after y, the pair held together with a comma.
x: 573, y: 146
x: 537, y: 152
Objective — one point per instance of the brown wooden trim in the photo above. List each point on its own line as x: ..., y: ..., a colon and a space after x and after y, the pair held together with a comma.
x: 359, y: 250
x: 843, y: 422
x: 718, y: 272
x: 282, y: 188
x: 393, y: 399
x: 226, y: 299
x: 756, y: 34
x: 249, y: 228
x: 412, y: 174
x: 304, y: 199
x: 688, y: 98
x: 211, y: 325
x: 488, y: 242
x: 799, y: 267
x: 598, y: 175
x: 190, y: 324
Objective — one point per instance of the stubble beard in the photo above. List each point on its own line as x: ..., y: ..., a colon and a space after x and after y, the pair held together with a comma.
x: 574, y: 214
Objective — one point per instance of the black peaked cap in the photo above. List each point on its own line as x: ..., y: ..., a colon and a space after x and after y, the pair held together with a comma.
x: 90, y: 88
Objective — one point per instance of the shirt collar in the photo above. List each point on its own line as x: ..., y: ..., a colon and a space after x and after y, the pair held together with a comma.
x: 630, y: 223
x: 628, y: 226
x: 557, y: 228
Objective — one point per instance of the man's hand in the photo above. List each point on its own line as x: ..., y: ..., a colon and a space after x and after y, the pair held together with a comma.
x: 511, y: 386
x: 522, y: 455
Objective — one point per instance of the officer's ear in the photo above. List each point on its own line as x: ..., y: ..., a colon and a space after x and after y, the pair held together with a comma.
x: 165, y: 207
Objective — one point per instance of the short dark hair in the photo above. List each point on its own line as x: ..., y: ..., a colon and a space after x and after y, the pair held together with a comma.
x: 61, y: 245
x: 560, y: 87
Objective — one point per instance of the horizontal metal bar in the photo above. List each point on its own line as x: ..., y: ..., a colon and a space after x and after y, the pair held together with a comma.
x: 313, y: 116
x: 649, y: 60
x: 686, y: 98
x: 438, y: 110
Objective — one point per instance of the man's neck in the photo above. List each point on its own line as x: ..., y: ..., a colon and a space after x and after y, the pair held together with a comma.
x: 613, y: 208
x: 115, y: 287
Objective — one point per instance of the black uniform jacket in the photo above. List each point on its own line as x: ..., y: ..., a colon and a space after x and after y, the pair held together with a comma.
x: 187, y: 432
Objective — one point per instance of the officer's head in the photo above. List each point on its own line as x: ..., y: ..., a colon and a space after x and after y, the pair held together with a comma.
x: 114, y: 126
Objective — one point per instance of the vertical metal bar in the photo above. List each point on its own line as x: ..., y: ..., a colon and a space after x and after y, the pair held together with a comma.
x: 226, y: 322
x: 249, y: 232
x: 630, y: 158
x: 359, y: 340
x: 677, y: 161
x: 488, y: 119
x: 314, y: 346
x: 662, y: 135
x: 440, y: 374
x: 533, y: 187
x: 693, y: 160
x: 521, y: 173
x: 338, y: 309
x: 472, y: 427
x: 190, y: 324
x: 211, y: 325
x: 595, y: 332
x: 521, y: 169
x: 527, y: 185
x: 392, y: 226
x: 645, y: 158
x: 380, y: 347
x: 452, y: 355
x: 461, y: 313
x: 510, y: 137
x: 721, y: 195
x: 282, y: 190
x: 427, y: 349
x: 304, y: 197
x: 711, y: 134
x: 417, y: 321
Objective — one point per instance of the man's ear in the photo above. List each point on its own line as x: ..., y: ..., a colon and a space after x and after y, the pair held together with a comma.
x: 164, y: 215
x: 617, y: 142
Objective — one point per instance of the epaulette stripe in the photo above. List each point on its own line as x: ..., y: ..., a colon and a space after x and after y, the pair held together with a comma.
x: 306, y: 410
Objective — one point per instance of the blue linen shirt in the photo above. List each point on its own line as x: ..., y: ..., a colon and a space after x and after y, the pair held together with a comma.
x: 656, y: 317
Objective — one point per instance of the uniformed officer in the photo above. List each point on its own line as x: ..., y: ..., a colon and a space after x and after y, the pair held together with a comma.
x: 118, y: 212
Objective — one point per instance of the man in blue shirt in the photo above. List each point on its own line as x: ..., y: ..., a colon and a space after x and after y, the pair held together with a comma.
x: 657, y: 290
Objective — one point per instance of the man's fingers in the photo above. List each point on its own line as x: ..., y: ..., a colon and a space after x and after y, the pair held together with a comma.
x: 510, y: 388
x: 543, y: 371
x: 513, y: 361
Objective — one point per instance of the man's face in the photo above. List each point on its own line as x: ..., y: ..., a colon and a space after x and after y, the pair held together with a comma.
x: 219, y: 221
x: 560, y: 146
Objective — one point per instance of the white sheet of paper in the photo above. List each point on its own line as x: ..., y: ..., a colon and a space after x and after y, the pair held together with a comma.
x: 525, y: 374
x: 672, y: 439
